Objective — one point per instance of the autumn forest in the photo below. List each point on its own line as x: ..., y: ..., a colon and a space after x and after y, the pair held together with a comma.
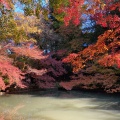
x: 63, y: 44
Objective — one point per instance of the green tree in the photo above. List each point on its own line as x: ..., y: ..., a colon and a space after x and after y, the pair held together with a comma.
x: 8, y: 26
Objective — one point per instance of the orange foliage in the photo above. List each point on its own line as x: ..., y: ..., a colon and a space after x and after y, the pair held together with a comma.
x: 107, y: 42
x: 110, y: 60
x: 105, y: 52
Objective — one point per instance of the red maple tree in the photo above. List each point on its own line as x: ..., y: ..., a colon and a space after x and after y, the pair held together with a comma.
x: 43, y: 69
x: 105, y: 52
x: 72, y: 11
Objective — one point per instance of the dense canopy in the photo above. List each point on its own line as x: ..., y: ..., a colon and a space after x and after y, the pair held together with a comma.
x: 60, y: 43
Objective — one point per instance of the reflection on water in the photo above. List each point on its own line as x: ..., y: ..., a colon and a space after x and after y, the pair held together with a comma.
x: 60, y: 105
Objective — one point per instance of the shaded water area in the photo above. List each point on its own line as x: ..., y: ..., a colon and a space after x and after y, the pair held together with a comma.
x: 60, y: 105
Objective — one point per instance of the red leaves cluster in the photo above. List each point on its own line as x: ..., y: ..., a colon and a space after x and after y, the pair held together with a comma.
x: 114, y: 6
x: 104, y: 17
x: 70, y: 57
x: 111, y: 21
x: 5, y: 3
x: 9, y: 74
x: 72, y: 12
x: 110, y: 60
x: 12, y: 73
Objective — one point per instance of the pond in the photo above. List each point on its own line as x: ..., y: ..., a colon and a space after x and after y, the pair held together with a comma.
x: 60, y: 105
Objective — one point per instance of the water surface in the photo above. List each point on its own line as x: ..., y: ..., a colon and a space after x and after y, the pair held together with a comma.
x: 60, y: 105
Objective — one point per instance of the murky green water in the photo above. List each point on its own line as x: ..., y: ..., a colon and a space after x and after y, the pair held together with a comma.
x: 61, y: 105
